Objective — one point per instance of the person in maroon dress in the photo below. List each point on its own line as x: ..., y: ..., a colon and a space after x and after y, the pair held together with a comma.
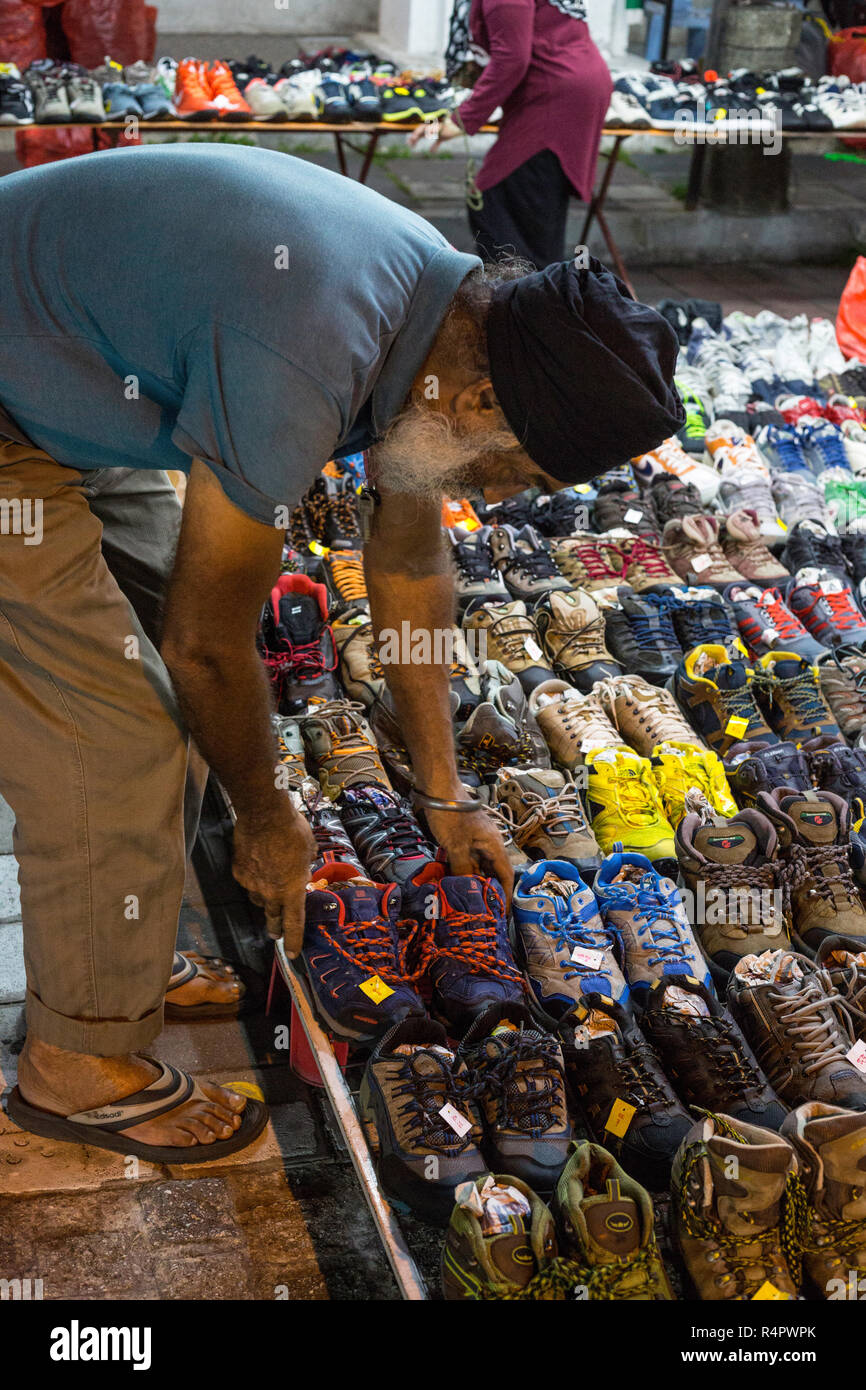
x: 554, y: 89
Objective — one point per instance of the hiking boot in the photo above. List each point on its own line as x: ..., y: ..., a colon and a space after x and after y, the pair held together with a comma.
x: 554, y: 914
x: 839, y: 675
x: 340, y: 743
x: 291, y: 769
x: 692, y: 549
x: 844, y: 960
x: 343, y: 573
x: 501, y: 1243
x: 800, y: 1033
x: 744, y: 549
x: 470, y: 963
x: 619, y: 505
x: 759, y: 767
x: 513, y: 639
x: 813, y: 830
x: 704, y: 1054
x: 792, y: 698
x: 547, y: 817
x: 646, y: 567
x: 644, y: 715
x: 671, y: 497
x: 362, y: 675
x: 519, y: 1076
x: 298, y: 643
x: 624, y: 805
x: 570, y: 722
x: 501, y: 731
x: 477, y: 579
x: 731, y: 1210
x: 701, y: 616
x: 391, y: 745
x: 607, y: 1060
x: 354, y: 961
x: 607, y: 1229
x: 647, y: 913
x: 572, y: 629
x: 464, y: 676
x: 525, y: 563
x: 411, y: 1076
x: 830, y: 1144
x: 641, y: 636
x: 385, y: 833
x: 837, y: 768
x: 826, y: 606
x: 590, y: 562
x: 766, y: 623
x: 716, y: 691
x: 561, y: 513
x: 731, y: 870
x: 688, y: 778
x: 332, y: 511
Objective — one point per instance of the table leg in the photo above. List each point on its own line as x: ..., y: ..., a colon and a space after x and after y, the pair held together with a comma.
x: 372, y: 145
x: 341, y: 153
x: 696, y: 175
x: 595, y: 213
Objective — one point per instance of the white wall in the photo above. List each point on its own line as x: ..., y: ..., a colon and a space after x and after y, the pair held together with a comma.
x: 268, y: 16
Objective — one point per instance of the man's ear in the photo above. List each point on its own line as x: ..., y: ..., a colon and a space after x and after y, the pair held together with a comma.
x: 477, y: 398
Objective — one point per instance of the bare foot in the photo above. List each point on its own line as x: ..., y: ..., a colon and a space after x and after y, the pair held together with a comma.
x: 66, y: 1082
x: 216, y: 983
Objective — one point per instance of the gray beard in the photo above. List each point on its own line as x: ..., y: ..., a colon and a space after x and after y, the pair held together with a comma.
x: 423, y: 454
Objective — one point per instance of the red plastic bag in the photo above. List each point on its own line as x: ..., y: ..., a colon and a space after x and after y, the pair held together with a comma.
x: 851, y: 316
x: 22, y: 33
x: 43, y: 146
x: 846, y: 53
x: 118, y: 28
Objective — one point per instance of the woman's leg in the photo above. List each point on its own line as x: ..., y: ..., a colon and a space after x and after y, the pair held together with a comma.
x: 525, y: 214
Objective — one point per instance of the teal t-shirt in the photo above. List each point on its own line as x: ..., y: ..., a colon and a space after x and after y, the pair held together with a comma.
x: 231, y: 304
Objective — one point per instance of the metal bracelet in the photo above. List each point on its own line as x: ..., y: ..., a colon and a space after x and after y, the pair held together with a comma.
x: 437, y: 803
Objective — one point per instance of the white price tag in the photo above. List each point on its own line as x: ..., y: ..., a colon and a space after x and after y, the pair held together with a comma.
x: 457, y: 1122
x: 533, y: 649
x: 769, y: 635
x: 829, y: 586
x: 701, y: 563
x: 857, y: 1055
x: 593, y: 960
x: 632, y: 515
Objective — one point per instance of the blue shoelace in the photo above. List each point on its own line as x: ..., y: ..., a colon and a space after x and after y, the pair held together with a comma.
x: 576, y: 929
x: 788, y: 450
x: 829, y: 447
x: 656, y: 632
x: 656, y: 918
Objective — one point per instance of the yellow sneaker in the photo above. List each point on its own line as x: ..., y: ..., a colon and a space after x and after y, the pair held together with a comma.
x: 683, y: 771
x: 625, y: 806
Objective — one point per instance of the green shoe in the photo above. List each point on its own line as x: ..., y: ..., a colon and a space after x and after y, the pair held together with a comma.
x: 845, y: 497
x: 501, y: 1243
x: 605, y: 1219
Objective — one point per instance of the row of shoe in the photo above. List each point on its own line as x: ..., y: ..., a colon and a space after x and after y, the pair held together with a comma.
x: 358, y: 87
x: 754, y: 1214
x: 741, y: 101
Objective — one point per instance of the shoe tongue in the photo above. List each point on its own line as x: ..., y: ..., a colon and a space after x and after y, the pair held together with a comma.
x: 734, y: 843
x: 612, y: 1221
x: 427, y: 1058
x: 300, y: 617
x: 464, y: 893
x: 729, y: 676
x: 815, y: 818
x: 543, y: 781
x: 786, y: 668
x: 750, y: 1201
x: 840, y: 1142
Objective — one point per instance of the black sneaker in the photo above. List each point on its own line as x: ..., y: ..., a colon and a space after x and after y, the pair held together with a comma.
x: 701, y: 615
x: 854, y: 549
x: 385, y: 833
x: 298, y: 644
x: 811, y: 546
x: 299, y: 532
x: 561, y: 514
x: 607, y: 1059
x: 332, y: 511
x: 525, y: 563
x: 477, y: 580
x: 640, y: 636
x: 754, y: 767
x: 511, y: 511
x: 705, y: 1055
x: 335, y: 853
x: 16, y: 102
x: 519, y: 1078
x: 671, y: 497
x: 619, y: 506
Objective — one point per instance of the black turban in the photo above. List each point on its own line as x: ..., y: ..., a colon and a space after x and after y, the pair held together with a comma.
x: 583, y: 372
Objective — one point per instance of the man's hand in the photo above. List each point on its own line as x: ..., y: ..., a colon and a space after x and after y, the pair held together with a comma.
x: 272, y: 862
x: 444, y: 129
x: 473, y: 845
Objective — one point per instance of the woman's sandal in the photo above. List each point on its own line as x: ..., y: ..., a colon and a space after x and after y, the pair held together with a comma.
x: 104, y: 1126
x: 183, y: 970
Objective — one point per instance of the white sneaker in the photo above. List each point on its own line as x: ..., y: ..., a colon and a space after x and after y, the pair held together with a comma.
x: 671, y: 458
x: 626, y: 111
x: 824, y: 352
x: 726, y: 443
x: 264, y: 101
x: 300, y: 99
x: 855, y: 444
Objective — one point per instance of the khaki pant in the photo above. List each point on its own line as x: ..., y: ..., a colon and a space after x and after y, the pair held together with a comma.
x: 93, y: 749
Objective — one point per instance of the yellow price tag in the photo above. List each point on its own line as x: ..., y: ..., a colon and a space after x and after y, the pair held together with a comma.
x: 376, y: 989
x: 246, y: 1088
x: 620, y: 1117
x: 736, y: 726
x: 769, y: 1291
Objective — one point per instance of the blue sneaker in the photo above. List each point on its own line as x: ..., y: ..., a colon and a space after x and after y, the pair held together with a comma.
x: 472, y: 964
x: 120, y: 101
x: 354, y: 959
x: 648, y: 915
x: 783, y: 448
x: 824, y: 444
x: 556, y: 914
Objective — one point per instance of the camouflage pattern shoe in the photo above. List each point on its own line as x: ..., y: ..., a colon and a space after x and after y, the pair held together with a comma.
x: 501, y: 1244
